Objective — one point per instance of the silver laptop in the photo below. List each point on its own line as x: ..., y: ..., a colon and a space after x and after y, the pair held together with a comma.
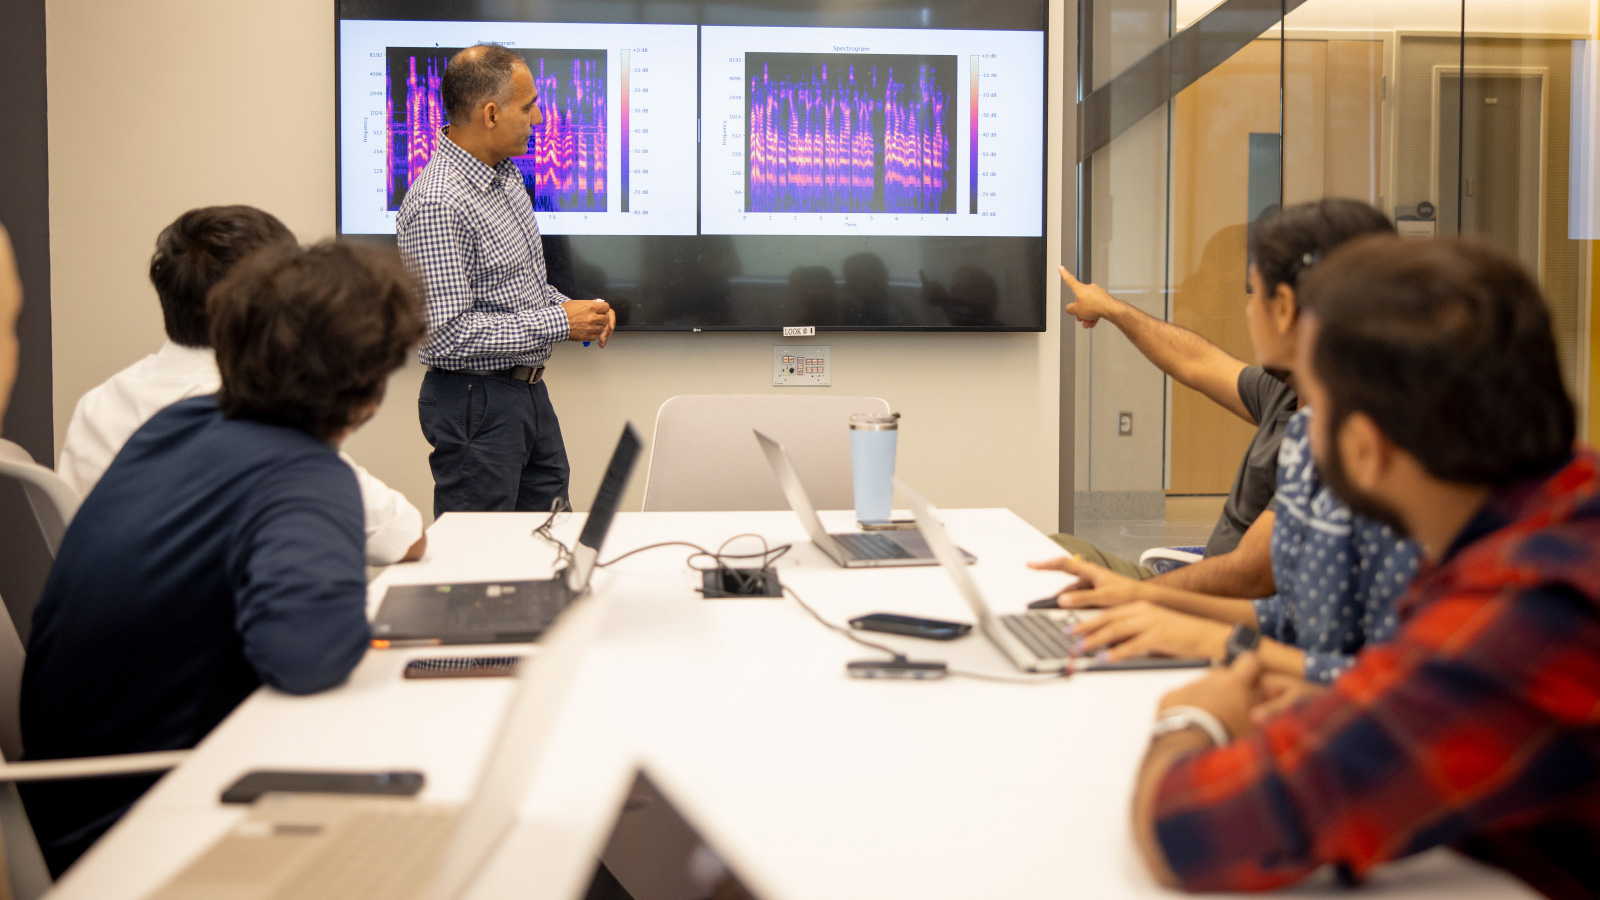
x: 314, y: 846
x: 1034, y: 641
x: 866, y: 549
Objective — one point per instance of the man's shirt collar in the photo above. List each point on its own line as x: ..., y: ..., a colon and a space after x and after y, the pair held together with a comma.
x: 472, y: 168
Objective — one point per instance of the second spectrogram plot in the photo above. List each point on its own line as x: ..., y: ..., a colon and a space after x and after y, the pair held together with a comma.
x: 565, y: 168
x: 850, y: 133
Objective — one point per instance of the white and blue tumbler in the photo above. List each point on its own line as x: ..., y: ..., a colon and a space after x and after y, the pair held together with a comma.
x: 872, y: 446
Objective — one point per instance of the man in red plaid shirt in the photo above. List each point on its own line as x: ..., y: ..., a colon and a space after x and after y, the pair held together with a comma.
x: 1438, y: 408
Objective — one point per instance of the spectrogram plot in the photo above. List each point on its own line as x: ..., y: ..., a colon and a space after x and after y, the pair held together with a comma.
x: 850, y: 133
x: 565, y: 167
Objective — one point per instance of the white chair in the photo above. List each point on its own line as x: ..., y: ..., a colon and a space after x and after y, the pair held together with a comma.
x: 54, y: 502
x: 1162, y: 560
x: 25, y: 864
x: 704, y: 457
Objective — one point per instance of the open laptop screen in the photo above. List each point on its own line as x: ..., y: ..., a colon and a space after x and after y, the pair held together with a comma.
x: 611, y: 487
x: 587, y: 552
x: 655, y: 854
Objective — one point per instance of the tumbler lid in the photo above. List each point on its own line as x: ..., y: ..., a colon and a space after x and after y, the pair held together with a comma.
x: 874, y: 421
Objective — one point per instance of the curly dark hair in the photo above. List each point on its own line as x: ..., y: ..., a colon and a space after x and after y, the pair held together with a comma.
x: 1447, y: 345
x: 307, y: 337
x: 194, y: 252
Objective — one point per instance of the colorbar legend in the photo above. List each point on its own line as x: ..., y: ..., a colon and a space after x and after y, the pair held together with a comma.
x: 627, y: 103
x: 972, y: 165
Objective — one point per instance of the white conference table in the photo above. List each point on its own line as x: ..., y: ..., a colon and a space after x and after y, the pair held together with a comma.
x: 810, y: 783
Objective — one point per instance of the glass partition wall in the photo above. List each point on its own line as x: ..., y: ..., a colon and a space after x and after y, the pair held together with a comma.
x: 1196, y: 115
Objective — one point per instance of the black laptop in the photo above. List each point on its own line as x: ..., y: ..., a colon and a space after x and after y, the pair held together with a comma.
x: 655, y: 853
x: 489, y: 612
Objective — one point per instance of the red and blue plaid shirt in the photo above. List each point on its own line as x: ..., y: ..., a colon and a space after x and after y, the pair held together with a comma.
x: 1477, y: 726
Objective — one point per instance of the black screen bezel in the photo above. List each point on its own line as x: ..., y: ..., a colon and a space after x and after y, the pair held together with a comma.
x: 806, y: 13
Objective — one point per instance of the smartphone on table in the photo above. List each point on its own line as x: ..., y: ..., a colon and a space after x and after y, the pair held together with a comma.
x: 253, y: 784
x: 911, y: 626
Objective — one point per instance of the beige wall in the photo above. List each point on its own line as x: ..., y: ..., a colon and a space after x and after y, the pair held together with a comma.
x: 163, y: 105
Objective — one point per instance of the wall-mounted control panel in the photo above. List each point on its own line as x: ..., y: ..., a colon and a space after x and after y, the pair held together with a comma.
x: 805, y: 366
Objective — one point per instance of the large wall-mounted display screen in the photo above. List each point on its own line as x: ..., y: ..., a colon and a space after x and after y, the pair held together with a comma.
x: 739, y: 165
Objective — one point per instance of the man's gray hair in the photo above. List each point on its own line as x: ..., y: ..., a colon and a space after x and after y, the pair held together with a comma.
x: 473, y: 79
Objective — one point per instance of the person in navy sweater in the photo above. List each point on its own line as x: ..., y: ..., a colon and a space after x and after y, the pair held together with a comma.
x: 224, y: 547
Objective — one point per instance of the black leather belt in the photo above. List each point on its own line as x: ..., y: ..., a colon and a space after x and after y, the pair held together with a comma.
x: 528, y: 374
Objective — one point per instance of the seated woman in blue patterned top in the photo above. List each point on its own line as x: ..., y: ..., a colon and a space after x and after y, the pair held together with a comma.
x: 1336, y: 575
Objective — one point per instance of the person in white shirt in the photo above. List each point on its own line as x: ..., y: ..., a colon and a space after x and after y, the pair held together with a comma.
x: 192, y: 254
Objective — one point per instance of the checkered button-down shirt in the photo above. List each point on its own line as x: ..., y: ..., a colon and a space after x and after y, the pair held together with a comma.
x: 469, y: 231
x: 1477, y: 726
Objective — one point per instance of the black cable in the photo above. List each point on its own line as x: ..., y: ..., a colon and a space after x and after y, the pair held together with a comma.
x: 768, y: 556
x: 616, y: 559
x: 898, y: 656
x: 558, y: 506
x: 1012, y: 679
x: 775, y: 553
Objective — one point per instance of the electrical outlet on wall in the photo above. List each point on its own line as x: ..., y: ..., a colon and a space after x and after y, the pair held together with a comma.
x: 1124, y: 424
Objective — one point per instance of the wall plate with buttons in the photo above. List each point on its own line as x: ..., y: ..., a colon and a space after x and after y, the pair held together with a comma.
x: 805, y: 366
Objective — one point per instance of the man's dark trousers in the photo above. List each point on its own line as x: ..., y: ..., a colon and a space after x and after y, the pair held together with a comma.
x: 496, y: 443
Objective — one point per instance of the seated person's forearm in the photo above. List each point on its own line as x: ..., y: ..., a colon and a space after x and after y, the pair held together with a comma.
x: 1233, y: 610
x: 416, y: 550
x: 1221, y: 576
x: 1163, y: 752
x: 1245, y: 571
x: 1189, y: 358
x: 1285, y: 659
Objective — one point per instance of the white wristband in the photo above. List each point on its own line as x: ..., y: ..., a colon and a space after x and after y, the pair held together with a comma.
x: 1177, y: 718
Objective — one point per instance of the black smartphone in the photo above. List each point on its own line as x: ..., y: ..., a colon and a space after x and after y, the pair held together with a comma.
x: 254, y: 784
x: 932, y: 629
x: 462, y: 667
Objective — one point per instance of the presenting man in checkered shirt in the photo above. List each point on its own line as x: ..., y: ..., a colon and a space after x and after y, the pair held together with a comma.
x: 467, y: 227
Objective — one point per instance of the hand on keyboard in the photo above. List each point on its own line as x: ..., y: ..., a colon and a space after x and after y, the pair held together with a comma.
x: 1144, y: 629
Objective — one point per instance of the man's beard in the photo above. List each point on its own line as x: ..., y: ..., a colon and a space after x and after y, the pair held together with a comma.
x: 1332, y: 470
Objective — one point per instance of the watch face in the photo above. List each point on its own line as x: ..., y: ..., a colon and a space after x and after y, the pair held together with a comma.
x: 1242, y: 639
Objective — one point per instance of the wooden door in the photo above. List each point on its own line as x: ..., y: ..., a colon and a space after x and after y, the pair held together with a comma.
x: 1331, y: 144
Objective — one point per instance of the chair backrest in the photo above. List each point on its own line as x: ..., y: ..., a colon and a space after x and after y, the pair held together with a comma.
x: 12, y: 656
x: 704, y: 456
x: 26, y: 877
x: 54, y: 502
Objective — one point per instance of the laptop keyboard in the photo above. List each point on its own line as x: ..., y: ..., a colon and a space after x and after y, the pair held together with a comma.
x: 1042, y: 634
x: 528, y: 607
x: 377, y: 854
x: 871, y: 546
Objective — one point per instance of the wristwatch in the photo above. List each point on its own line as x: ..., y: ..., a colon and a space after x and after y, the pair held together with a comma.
x: 1177, y: 718
x: 1242, y: 639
